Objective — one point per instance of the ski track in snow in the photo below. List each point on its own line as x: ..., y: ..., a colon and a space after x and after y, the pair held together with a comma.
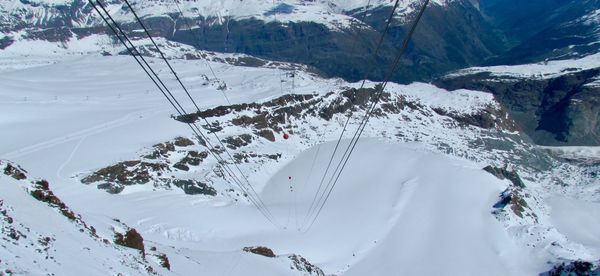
x: 78, y: 135
x: 69, y: 158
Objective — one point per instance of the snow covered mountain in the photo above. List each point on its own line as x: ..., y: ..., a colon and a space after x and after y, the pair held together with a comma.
x: 323, y: 34
x: 331, y: 36
x: 448, y: 164
x: 100, y: 175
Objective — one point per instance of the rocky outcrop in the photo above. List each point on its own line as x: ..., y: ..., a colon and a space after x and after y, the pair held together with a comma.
x: 192, y: 187
x: 14, y: 171
x: 153, y: 167
x: 260, y: 250
x: 562, y: 110
x: 574, y: 268
x: 132, y: 239
x: 514, y: 196
x: 505, y: 173
x: 303, y: 265
x: 298, y: 262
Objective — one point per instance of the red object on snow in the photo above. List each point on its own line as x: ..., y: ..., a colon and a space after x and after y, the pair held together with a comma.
x: 286, y: 136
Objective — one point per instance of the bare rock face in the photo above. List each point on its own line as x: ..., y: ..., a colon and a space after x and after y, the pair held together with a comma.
x: 260, y: 250
x: 15, y: 171
x: 153, y: 167
x: 574, y: 268
x: 131, y: 239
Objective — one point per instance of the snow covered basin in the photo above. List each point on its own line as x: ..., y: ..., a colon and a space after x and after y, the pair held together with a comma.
x: 397, y: 209
x: 577, y: 219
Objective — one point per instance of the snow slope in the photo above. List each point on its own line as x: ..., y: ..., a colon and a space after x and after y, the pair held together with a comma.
x: 576, y: 218
x: 45, y: 242
x: 544, y: 70
x: 397, y: 206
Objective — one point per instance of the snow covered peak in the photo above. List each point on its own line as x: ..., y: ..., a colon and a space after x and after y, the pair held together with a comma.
x: 349, y: 5
x: 542, y: 70
x: 333, y: 13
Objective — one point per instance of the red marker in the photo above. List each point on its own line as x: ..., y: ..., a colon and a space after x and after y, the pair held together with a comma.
x: 286, y: 136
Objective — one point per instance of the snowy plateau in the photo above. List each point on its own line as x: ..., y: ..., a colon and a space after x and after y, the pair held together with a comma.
x: 99, y: 175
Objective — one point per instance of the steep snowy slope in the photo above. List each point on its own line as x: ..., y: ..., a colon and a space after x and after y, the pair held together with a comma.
x: 42, y: 236
x: 415, y: 193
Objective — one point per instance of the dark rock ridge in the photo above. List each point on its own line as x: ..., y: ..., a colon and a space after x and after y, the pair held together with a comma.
x: 574, y: 268
x: 562, y: 110
x: 514, y: 196
x: 275, y: 115
x: 152, y: 168
x: 298, y: 262
x: 505, y: 173
x: 260, y: 250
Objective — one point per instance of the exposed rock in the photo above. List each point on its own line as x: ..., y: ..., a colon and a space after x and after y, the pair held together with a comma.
x: 192, y: 187
x: 126, y: 173
x: 162, y: 150
x: 164, y: 261
x: 183, y: 142
x: 131, y: 239
x: 301, y: 264
x: 260, y: 250
x: 41, y: 191
x: 245, y: 156
x: 14, y: 171
x: 575, y: 268
x: 267, y: 134
x: 5, y: 42
x: 111, y: 188
x: 505, y: 173
x: 235, y: 142
x: 488, y: 118
x: 193, y: 158
x: 513, y: 198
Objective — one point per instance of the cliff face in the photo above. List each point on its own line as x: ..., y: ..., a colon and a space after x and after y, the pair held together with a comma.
x: 561, y: 110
